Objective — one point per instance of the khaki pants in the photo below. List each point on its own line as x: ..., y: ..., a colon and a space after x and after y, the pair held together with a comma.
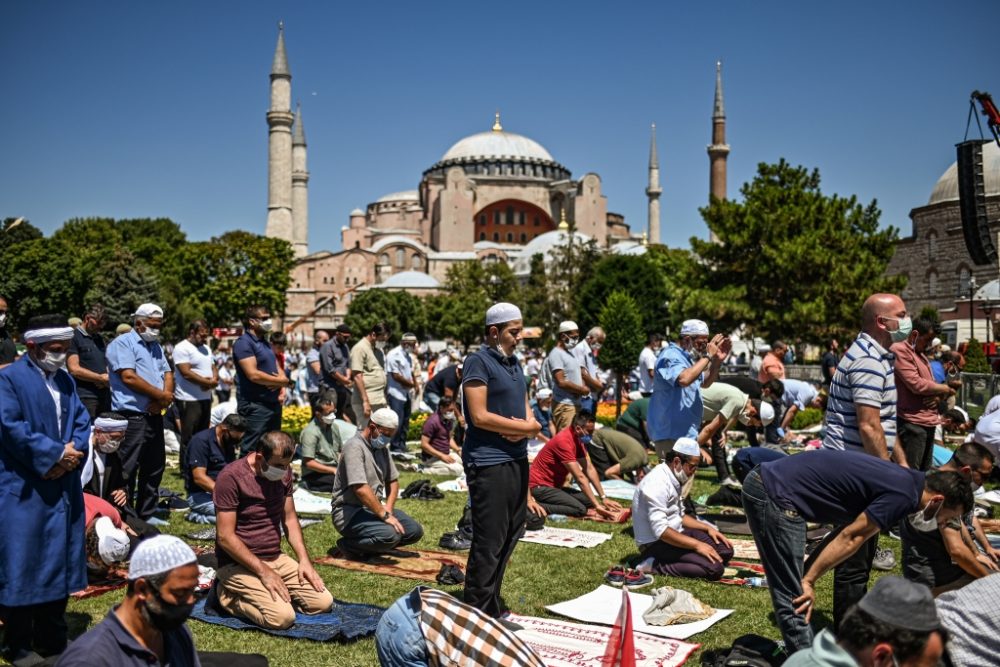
x: 439, y: 467
x: 243, y: 594
x: 377, y: 400
x: 562, y: 416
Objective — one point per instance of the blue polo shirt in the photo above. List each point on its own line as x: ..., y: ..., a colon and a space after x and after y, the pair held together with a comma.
x: 109, y: 644
x: 506, y: 395
x: 129, y: 351
x: 674, y: 411
x: 247, y: 346
x: 204, y: 451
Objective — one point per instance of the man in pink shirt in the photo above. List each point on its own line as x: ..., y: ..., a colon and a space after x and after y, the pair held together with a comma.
x: 773, y: 367
x: 917, y: 395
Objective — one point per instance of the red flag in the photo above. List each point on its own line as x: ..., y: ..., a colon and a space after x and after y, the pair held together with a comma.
x: 621, y: 648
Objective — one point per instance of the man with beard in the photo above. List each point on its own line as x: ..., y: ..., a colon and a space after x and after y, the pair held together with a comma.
x: 87, y: 364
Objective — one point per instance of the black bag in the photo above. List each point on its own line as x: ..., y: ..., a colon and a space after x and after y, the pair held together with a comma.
x: 747, y: 651
x: 422, y: 489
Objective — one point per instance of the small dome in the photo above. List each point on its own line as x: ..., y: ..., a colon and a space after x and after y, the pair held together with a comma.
x: 411, y: 280
x: 496, y: 144
x: 988, y: 292
x: 357, y: 212
x: 947, y: 186
x: 405, y: 195
x: 628, y: 248
x: 543, y: 245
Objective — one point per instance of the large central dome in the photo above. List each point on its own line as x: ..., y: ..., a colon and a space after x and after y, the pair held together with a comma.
x: 497, y: 145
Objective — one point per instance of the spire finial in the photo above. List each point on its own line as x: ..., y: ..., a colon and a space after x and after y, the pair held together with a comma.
x: 654, y: 161
x: 280, y: 65
x: 497, y: 127
x: 719, y: 110
x: 645, y: 239
x: 563, y: 225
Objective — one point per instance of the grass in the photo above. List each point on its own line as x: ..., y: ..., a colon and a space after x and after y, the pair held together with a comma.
x: 538, y: 575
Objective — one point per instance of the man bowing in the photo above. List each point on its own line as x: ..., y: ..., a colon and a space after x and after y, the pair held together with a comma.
x: 44, y: 434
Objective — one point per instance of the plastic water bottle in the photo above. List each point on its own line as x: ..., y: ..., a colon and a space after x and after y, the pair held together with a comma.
x: 757, y: 582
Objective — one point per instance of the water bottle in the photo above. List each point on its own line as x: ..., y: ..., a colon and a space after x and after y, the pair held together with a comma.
x: 757, y: 582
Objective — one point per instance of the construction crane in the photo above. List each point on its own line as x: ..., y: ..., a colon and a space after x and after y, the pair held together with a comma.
x: 990, y: 111
x: 289, y: 328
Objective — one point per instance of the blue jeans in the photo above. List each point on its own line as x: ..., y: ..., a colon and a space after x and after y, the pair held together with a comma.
x: 432, y: 400
x: 367, y: 534
x: 402, y: 410
x: 398, y: 639
x: 261, y: 418
x: 202, y: 508
x: 780, y: 535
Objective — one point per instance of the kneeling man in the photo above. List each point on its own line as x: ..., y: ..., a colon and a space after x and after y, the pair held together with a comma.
x: 253, y: 501
x: 365, y: 491
x: 678, y: 544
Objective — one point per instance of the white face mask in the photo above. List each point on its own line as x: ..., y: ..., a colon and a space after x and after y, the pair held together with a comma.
x: 266, y: 325
x: 571, y: 342
x: 923, y: 524
x: 52, y: 361
x: 380, y: 344
x: 744, y: 418
x: 3, y: 320
x: 330, y: 418
x: 109, y: 446
x: 150, y: 335
x: 681, y: 475
x: 274, y: 473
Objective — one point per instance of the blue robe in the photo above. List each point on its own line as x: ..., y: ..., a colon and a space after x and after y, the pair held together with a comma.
x: 42, y: 527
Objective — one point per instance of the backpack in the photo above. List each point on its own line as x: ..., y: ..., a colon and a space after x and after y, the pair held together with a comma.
x: 747, y: 651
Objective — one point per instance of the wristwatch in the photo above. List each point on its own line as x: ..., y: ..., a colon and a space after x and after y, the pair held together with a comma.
x: 386, y: 515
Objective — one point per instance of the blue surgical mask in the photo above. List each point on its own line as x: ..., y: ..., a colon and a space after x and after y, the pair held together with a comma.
x: 585, y: 439
x: 380, y: 441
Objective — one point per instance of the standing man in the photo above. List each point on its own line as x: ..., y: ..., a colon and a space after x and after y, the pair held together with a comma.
x: 647, y: 362
x: 335, y: 361
x: 87, y: 364
x: 773, y: 366
x: 314, y: 367
x: 8, y: 351
x: 368, y: 373
x: 142, y: 387
x: 567, y: 377
x: 830, y: 360
x: 399, y: 368
x: 44, y: 435
x: 861, y: 417
x: 682, y: 369
x: 495, y: 454
x: 919, y: 395
x: 259, y: 380
x: 196, y: 378
x: 586, y: 353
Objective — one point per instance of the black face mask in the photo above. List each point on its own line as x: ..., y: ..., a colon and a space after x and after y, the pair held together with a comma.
x: 166, y: 616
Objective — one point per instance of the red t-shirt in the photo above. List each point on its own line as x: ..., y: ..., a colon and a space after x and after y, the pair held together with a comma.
x: 94, y: 507
x: 548, y: 468
x: 259, y: 505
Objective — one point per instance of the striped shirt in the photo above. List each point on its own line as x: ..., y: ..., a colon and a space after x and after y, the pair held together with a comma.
x: 459, y: 635
x: 864, y: 376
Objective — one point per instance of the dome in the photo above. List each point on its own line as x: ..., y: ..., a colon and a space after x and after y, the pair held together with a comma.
x: 628, y: 248
x: 410, y: 280
x: 357, y: 212
x: 405, y: 195
x: 497, y: 144
x: 988, y: 292
x: 947, y: 186
x: 543, y: 245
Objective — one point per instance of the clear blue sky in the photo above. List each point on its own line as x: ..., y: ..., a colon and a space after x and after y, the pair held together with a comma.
x: 128, y: 109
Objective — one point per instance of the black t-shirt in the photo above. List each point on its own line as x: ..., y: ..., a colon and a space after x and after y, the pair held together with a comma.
x: 925, y: 557
x: 8, y: 351
x: 204, y: 451
x: 446, y: 378
x: 829, y: 359
x: 90, y: 349
x: 830, y: 486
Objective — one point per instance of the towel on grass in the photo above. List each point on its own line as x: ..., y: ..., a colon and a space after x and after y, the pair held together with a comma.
x: 562, y: 644
x: 404, y: 563
x: 618, y: 489
x: 344, y: 621
x: 309, y: 503
x: 602, y: 605
x: 745, y: 550
x: 565, y: 537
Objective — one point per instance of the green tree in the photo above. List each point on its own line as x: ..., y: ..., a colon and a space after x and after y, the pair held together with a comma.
x: 931, y: 313
x: 645, y: 284
x: 570, y: 264
x: 41, y: 276
x: 791, y: 262
x: 622, y: 322
x: 11, y: 234
x: 975, y: 358
x: 122, y: 286
x: 470, y: 289
x: 535, y: 296
x: 402, y: 311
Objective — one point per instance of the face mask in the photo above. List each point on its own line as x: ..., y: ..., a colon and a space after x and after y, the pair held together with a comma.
x: 571, y: 343
x: 330, y: 418
x: 585, y: 439
x: 3, y: 320
x: 274, y: 473
x: 165, y: 616
x: 596, y: 346
x: 266, y: 325
x: 52, y: 361
x: 500, y: 350
x: 109, y: 446
x: 923, y: 524
x: 744, y: 418
x: 380, y: 344
x: 903, y: 332
x: 150, y: 335
x: 380, y: 441
x: 448, y: 416
x: 681, y: 475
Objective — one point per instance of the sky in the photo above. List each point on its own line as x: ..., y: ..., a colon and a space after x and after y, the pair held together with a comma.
x: 132, y: 110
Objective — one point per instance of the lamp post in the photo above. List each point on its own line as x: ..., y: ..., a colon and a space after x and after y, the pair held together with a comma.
x: 972, y: 293
x: 987, y: 309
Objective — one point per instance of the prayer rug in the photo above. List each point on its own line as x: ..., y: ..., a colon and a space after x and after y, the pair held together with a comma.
x: 745, y: 550
x: 115, y: 579
x: 561, y: 644
x: 404, y: 563
x: 734, y: 525
x: 344, y: 621
x: 623, y: 516
x: 602, y: 605
x: 565, y: 537
x: 618, y: 489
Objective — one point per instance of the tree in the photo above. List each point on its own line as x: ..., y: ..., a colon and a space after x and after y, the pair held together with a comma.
x: 930, y: 313
x: 975, y: 358
x: 122, y: 286
x: 622, y: 323
x: 11, y: 234
x: 790, y: 261
x: 402, y: 311
x: 470, y: 289
x: 570, y: 264
x: 535, y: 295
x: 645, y: 285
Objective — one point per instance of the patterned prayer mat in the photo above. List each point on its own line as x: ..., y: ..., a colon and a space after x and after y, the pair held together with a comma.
x: 404, y: 563
x: 565, y: 537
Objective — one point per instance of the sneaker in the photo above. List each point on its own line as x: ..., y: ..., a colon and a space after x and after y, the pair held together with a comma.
x: 615, y: 576
x: 885, y: 559
x: 732, y: 483
x: 155, y: 521
x: 634, y: 579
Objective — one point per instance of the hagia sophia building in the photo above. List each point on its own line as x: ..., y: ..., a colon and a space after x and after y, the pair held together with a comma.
x: 495, y: 196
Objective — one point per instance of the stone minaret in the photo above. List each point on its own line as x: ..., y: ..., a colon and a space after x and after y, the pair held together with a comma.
x: 300, y: 188
x: 719, y: 149
x: 279, y: 157
x: 653, y: 190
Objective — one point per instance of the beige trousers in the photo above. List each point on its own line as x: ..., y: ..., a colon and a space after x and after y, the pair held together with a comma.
x: 439, y: 467
x: 562, y: 416
x: 242, y: 593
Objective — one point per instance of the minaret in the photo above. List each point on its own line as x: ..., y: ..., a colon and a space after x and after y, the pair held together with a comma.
x: 719, y: 149
x: 653, y: 190
x: 300, y: 188
x: 279, y: 158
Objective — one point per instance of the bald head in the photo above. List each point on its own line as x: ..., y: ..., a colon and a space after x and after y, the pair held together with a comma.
x: 876, y: 308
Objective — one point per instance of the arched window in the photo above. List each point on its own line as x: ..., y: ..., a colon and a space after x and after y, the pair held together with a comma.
x: 496, y: 236
x: 524, y: 237
x: 963, y: 281
x: 932, y: 283
x: 400, y: 258
x: 333, y: 280
x: 383, y: 259
x: 510, y: 237
x: 510, y: 215
x: 932, y: 246
x: 417, y: 262
x: 482, y: 236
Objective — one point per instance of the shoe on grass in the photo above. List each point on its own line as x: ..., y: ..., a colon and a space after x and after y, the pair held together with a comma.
x: 885, y: 559
x: 634, y: 579
x: 616, y: 575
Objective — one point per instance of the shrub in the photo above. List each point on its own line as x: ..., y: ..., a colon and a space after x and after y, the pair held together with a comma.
x: 806, y: 418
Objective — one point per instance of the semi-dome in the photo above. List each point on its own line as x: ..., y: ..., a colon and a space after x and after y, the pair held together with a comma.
x: 543, y: 245
x: 947, y: 186
x: 410, y: 280
x: 405, y: 195
x: 497, y: 144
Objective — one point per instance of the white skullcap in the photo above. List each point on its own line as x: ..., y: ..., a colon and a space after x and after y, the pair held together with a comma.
x: 105, y: 424
x: 985, y: 412
x: 148, y: 310
x: 946, y: 348
x: 158, y: 555
x: 935, y: 342
x: 112, y: 543
x: 409, y: 338
x: 766, y: 413
x: 694, y: 328
x: 764, y: 348
x: 568, y: 325
x: 634, y: 395
x: 687, y: 447
x: 501, y: 313
x: 47, y: 335
x: 543, y: 394
x: 386, y: 418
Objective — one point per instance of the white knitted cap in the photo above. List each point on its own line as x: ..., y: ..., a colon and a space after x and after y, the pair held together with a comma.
x: 158, y: 555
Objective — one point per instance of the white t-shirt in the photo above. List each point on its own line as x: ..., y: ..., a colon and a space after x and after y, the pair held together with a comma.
x: 200, y: 360
x: 647, y: 362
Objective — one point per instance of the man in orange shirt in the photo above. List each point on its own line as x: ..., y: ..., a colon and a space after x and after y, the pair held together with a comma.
x: 773, y: 367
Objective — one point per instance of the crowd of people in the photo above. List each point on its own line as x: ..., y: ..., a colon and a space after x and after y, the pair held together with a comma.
x: 85, y: 423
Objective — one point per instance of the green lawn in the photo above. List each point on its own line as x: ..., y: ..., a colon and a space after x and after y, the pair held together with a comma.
x: 537, y: 575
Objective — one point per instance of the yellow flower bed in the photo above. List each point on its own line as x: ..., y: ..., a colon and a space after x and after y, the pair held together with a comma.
x: 294, y: 418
